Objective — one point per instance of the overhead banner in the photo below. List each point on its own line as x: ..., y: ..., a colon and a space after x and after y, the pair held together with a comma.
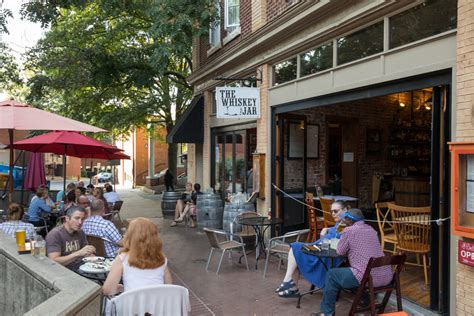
x: 234, y: 102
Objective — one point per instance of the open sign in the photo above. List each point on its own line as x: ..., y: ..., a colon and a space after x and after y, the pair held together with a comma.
x: 466, y: 253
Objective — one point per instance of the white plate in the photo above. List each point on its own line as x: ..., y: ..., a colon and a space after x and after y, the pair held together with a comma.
x: 90, y: 267
x: 93, y: 259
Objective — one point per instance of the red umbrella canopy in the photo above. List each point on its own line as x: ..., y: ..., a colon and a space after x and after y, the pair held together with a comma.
x: 35, y: 174
x: 69, y: 143
x: 108, y: 156
x: 19, y: 116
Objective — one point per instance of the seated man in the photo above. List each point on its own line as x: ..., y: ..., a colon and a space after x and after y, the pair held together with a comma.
x: 67, y: 244
x: 98, y: 226
x: 359, y: 242
x: 83, y: 202
x: 70, y: 187
x: 110, y: 195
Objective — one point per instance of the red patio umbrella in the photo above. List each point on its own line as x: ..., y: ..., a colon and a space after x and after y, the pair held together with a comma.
x: 35, y: 175
x: 18, y: 116
x: 67, y: 144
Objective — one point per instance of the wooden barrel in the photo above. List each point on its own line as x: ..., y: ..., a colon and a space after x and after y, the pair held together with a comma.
x: 231, y: 211
x: 209, y: 211
x: 168, y: 203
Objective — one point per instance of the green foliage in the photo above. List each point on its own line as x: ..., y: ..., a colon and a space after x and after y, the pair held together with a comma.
x: 112, y: 63
x: 9, y: 72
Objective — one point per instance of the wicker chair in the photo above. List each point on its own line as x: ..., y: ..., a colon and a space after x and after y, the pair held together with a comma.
x: 412, y: 228
x: 313, y: 220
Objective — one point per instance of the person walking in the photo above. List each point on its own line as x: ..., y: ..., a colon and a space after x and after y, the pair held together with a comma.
x: 169, y: 180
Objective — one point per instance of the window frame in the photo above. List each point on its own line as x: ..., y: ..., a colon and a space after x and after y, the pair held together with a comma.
x: 216, y: 29
x: 230, y: 27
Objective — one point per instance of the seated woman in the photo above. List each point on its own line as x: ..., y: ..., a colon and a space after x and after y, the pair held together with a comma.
x: 14, y: 223
x: 141, y: 261
x: 190, y: 208
x: 310, y: 266
x: 38, y: 207
x: 182, y: 202
x: 99, y: 194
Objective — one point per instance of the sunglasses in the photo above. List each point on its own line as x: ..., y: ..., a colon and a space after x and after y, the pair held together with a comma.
x: 334, y: 211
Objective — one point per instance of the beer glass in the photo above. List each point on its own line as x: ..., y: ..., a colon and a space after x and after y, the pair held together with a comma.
x: 20, y: 236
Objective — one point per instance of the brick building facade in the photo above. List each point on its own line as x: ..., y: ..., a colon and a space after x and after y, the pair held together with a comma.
x: 426, y: 67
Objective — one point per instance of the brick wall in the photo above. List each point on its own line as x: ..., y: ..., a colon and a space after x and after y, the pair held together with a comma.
x: 464, y: 128
x: 374, y: 113
x: 276, y: 7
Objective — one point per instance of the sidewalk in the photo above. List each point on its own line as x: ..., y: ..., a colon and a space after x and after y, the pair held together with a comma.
x: 235, y: 291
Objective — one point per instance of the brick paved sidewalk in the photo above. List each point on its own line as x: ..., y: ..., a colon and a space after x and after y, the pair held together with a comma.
x: 235, y: 291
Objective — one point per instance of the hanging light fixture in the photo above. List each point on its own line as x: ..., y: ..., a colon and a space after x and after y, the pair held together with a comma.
x: 401, y: 104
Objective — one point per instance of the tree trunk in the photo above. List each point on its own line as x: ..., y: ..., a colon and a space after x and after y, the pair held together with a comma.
x: 172, y: 155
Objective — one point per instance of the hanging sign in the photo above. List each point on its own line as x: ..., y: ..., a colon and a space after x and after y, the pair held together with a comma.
x: 232, y: 102
x: 466, y: 253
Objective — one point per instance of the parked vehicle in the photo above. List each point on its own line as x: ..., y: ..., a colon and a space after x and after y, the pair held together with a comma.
x: 103, y: 177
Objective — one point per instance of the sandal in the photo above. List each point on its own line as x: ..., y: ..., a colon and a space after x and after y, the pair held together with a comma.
x: 289, y: 293
x: 173, y: 224
x: 285, y: 286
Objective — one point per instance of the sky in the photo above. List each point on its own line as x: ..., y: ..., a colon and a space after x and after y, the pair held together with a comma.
x: 23, y: 34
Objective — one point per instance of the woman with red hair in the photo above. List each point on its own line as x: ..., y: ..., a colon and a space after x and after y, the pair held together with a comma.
x: 141, y: 261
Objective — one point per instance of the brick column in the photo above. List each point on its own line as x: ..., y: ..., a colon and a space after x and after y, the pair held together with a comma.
x: 206, y: 159
x: 259, y: 14
x: 264, y: 135
x: 464, y: 128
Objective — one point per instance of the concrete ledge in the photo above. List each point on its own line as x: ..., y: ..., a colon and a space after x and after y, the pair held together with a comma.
x: 149, y: 190
x: 33, y: 286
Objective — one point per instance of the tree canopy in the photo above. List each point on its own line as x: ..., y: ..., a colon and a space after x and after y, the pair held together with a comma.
x: 9, y: 72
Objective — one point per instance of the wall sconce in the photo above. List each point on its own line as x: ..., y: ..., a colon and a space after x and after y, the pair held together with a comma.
x: 301, y: 124
x: 428, y: 103
x: 401, y: 104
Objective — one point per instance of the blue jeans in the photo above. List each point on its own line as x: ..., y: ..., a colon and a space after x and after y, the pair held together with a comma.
x: 336, y: 280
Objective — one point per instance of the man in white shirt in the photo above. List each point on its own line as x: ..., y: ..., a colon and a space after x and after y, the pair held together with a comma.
x: 110, y: 195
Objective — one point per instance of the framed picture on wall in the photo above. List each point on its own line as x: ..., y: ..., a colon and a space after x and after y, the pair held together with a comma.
x: 373, y: 140
x: 296, y: 141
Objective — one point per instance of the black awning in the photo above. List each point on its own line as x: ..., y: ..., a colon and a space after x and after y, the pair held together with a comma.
x: 190, y: 126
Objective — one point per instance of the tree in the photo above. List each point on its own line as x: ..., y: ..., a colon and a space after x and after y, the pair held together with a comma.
x: 116, y: 64
x: 9, y: 72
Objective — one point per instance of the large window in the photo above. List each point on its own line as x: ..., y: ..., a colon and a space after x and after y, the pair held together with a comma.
x: 215, y: 29
x: 427, y: 19
x: 316, y: 60
x: 285, y: 71
x: 232, y: 14
x: 363, y: 43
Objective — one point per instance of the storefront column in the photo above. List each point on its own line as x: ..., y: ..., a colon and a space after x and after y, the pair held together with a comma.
x: 263, y: 137
x: 206, y: 159
x: 464, y: 127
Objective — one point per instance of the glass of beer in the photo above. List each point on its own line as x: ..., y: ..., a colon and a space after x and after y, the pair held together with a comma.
x: 20, y: 236
x: 340, y: 227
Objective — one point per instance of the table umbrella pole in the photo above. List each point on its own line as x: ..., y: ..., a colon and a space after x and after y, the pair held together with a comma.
x: 64, y: 169
x: 10, y: 173
x: 90, y: 173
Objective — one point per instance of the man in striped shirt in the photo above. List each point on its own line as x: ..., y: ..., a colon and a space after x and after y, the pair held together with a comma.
x: 98, y: 226
x: 359, y: 242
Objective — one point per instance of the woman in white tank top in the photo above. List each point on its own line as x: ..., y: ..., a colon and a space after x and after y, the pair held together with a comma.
x: 141, y: 261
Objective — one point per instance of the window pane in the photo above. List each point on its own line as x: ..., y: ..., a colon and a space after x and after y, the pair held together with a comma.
x: 240, y: 172
x: 285, y: 71
x: 218, y: 171
x: 425, y: 20
x: 316, y: 60
x: 360, y: 44
x: 233, y: 13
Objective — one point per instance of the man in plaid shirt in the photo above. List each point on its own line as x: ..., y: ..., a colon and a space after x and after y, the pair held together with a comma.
x: 359, y: 242
x: 98, y: 226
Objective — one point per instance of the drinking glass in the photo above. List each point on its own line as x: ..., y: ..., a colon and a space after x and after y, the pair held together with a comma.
x: 20, y: 236
x: 325, y: 244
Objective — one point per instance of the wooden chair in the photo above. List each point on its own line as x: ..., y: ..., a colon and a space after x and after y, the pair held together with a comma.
x: 387, y: 232
x: 412, y: 228
x: 326, y: 207
x: 98, y: 243
x: 280, y: 246
x: 366, y: 284
x: 228, y: 244
x: 312, y: 218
